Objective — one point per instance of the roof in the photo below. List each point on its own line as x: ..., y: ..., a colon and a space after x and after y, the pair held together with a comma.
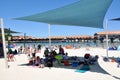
x: 80, y: 36
x: 87, y: 13
x: 75, y: 36
x: 109, y: 33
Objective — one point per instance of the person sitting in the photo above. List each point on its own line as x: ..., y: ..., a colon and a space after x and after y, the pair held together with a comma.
x: 86, y: 58
x: 37, y: 61
x: 10, y: 55
x: 42, y: 62
x: 15, y: 51
x: 30, y: 61
x: 65, y: 56
x: 49, y: 61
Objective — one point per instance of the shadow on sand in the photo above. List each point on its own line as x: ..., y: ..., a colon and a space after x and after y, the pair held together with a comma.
x: 95, y: 67
x: 92, y: 67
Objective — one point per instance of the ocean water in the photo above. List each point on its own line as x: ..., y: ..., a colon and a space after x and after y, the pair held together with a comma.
x: 55, y: 44
x: 73, y: 44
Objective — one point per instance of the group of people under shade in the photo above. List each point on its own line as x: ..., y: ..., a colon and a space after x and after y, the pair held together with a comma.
x: 50, y: 56
x: 88, y: 59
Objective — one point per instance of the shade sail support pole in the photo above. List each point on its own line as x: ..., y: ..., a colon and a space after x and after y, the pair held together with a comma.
x: 106, y: 38
x: 24, y: 42
x: 49, y: 34
x: 3, y: 41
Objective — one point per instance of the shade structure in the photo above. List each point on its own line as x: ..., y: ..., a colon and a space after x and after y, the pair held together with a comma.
x: 116, y: 19
x: 7, y: 31
x: 87, y: 13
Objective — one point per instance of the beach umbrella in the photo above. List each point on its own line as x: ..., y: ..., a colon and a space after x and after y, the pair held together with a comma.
x: 9, y: 31
x: 116, y: 19
x: 86, y: 13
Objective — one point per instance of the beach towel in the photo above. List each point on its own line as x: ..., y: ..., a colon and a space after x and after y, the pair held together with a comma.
x: 83, y: 69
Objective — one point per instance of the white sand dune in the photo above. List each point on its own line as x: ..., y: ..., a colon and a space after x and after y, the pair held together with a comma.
x: 18, y: 71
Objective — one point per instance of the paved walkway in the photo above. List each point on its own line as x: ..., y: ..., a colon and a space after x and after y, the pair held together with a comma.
x: 110, y: 67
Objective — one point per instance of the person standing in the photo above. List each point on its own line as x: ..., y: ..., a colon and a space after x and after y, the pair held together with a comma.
x: 46, y: 52
x: 39, y: 48
x: 34, y: 54
x: 61, y: 50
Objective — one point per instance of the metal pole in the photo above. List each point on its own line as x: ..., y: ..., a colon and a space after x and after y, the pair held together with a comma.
x: 24, y: 42
x: 3, y: 40
x: 9, y: 37
x: 24, y: 39
x: 49, y: 36
x: 107, y: 38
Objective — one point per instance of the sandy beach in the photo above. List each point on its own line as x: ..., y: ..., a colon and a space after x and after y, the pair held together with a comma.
x: 101, y: 70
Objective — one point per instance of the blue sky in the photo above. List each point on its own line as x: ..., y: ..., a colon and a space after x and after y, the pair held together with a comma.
x: 17, y: 8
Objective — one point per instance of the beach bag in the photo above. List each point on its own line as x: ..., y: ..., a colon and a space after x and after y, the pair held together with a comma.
x: 49, y: 64
x: 30, y: 62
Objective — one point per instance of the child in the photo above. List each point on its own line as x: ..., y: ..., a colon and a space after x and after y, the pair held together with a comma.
x: 42, y: 63
x: 37, y: 61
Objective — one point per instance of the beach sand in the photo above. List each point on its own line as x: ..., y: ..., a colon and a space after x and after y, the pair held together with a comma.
x: 100, y: 71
